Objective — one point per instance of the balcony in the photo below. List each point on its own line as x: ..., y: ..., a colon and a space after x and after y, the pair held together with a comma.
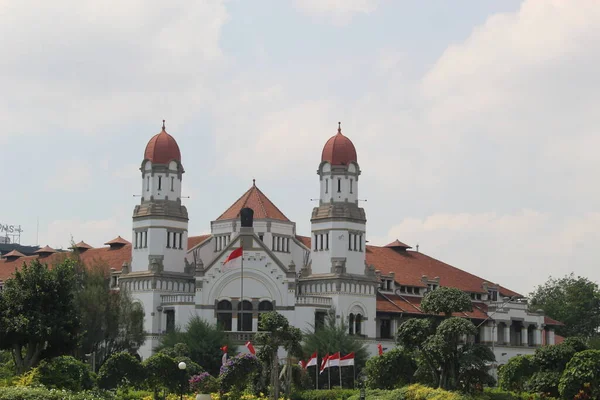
x: 316, y: 301
x: 176, y: 299
x: 240, y: 337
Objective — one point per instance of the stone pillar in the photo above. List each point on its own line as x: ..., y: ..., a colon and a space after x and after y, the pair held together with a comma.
x: 234, y: 323
x: 254, y: 323
x: 538, y: 336
x: 524, y: 336
x: 551, y: 336
x: 486, y: 334
x: 494, y: 328
x: 507, y: 333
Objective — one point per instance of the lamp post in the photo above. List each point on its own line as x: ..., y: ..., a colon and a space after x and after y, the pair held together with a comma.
x: 182, y: 367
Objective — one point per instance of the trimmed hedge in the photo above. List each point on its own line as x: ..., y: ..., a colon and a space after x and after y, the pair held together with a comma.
x: 32, y: 393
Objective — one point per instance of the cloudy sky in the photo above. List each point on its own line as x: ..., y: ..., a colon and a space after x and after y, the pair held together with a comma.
x: 476, y: 123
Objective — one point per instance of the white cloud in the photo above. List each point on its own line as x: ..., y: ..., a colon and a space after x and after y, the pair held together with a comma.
x: 340, y: 11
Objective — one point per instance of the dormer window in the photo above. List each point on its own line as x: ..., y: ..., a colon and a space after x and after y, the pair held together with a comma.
x: 493, y: 295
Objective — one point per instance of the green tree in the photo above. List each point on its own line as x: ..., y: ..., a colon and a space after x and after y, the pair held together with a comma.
x: 162, y: 372
x: 332, y: 337
x: 65, y: 372
x: 38, y: 310
x: 446, y: 300
x: 393, y: 369
x: 581, y: 374
x: 120, y: 369
x: 203, y: 341
x: 275, y: 332
x: 575, y: 301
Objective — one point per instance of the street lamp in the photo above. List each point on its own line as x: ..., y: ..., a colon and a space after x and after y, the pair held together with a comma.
x: 182, y: 367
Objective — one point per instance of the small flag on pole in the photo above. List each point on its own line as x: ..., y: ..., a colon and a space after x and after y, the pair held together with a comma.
x: 224, y: 358
x: 324, y: 363
x: 380, y: 349
x: 312, y: 361
x: 334, y: 360
x: 250, y: 348
x: 347, y: 360
x: 302, y: 364
x: 235, y: 258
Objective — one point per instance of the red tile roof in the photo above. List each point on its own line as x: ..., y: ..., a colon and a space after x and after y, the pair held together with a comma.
x: 82, y: 245
x: 257, y: 201
x: 397, y: 244
x: 558, y: 339
x: 412, y: 305
x: 45, y: 250
x: 117, y: 240
x: 193, y: 241
x: 14, y: 253
x: 410, y: 266
x: 550, y: 321
x: 162, y: 148
x: 339, y: 150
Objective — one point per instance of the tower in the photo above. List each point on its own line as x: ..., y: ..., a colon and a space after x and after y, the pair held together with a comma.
x: 338, y: 224
x: 160, y: 221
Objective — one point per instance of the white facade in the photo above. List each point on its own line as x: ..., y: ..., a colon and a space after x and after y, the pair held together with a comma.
x: 174, y: 283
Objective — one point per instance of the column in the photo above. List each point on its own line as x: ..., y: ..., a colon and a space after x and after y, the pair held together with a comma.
x: 524, y: 335
x: 486, y: 334
x: 551, y: 336
x: 507, y: 333
x: 538, y: 336
x: 494, y: 333
x: 254, y: 323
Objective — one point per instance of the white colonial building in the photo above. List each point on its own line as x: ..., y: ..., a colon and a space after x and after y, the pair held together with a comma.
x: 373, y: 288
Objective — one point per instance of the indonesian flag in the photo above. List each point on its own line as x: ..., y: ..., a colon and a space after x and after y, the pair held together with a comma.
x: 334, y: 360
x: 302, y: 364
x: 347, y: 360
x: 250, y: 348
x: 324, y: 363
x: 380, y: 349
x: 312, y: 361
x: 224, y: 358
x: 235, y: 258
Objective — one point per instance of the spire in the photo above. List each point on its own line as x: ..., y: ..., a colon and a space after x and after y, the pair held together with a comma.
x: 253, y: 182
x: 163, y: 127
x: 339, y: 127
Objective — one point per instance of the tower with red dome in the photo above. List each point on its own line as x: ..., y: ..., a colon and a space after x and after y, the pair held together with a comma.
x: 338, y: 226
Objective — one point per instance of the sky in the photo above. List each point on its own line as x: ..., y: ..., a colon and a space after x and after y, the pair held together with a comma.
x: 475, y: 123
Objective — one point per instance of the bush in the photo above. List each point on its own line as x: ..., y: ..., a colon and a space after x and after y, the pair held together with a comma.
x: 120, y: 369
x: 393, y: 369
x: 238, y: 371
x: 29, y: 393
x: 333, y: 394
x: 162, y: 373
x: 544, y: 382
x: 513, y: 375
x: 420, y: 392
x: 204, y: 383
x: 581, y: 374
x: 65, y: 372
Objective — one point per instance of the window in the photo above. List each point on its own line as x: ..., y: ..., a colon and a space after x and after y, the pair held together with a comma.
x: 168, y: 239
x: 351, y: 324
x: 355, y: 242
x: 493, y: 295
x: 326, y: 185
x: 339, y: 185
x: 315, y: 245
x: 174, y: 240
x: 172, y: 181
x: 349, y: 241
x: 261, y: 237
x: 159, y: 182
x: 327, y: 240
x: 360, y: 242
x: 319, y: 320
x: 170, y: 320
x: 350, y: 185
x: 358, y: 324
x: 136, y: 241
x: 224, y: 315
x: 244, y: 316
x: 321, y: 241
x: 180, y: 240
x: 148, y: 183
x: 145, y: 239
x: 385, y: 331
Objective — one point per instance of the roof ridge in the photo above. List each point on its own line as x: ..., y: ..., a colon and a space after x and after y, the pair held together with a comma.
x: 246, y: 193
x: 260, y: 200
x: 269, y: 200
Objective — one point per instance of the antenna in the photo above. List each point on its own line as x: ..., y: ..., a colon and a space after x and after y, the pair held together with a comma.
x: 184, y: 197
x: 37, y: 232
x: 137, y: 195
x: 361, y: 200
x: 315, y: 199
x: 417, y: 246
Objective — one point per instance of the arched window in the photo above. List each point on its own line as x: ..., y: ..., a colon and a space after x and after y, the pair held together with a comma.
x: 357, y: 324
x: 244, y: 316
x: 224, y: 315
x: 351, y: 324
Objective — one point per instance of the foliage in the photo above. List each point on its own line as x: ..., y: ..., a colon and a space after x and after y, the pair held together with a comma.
x: 65, y: 372
x: 162, y: 372
x: 203, y: 341
x: 110, y: 320
x: 332, y: 394
x: 238, y: 371
x: 543, y: 382
x: 331, y: 338
x: 275, y: 331
x: 120, y: 369
x: 204, y: 383
x: 446, y: 300
x: 473, y: 361
x: 574, y: 301
x: 50, y: 317
x: 393, y: 369
x: 41, y: 393
x: 413, y: 333
x: 553, y: 358
x: 583, y: 369
x: 513, y: 375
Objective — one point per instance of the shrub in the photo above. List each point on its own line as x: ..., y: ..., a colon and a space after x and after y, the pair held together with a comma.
x: 420, y: 392
x: 204, y: 383
x: 393, y: 369
x: 40, y: 393
x: 333, y: 394
x: 120, y: 369
x: 581, y: 374
x: 65, y: 372
x: 238, y: 371
x: 162, y: 372
x: 513, y: 375
x: 544, y: 382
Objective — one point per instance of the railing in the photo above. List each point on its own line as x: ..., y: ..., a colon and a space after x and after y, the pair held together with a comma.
x: 240, y: 337
x: 314, y: 301
x: 177, y: 299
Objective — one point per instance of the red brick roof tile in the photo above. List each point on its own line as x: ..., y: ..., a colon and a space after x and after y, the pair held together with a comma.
x: 193, y: 241
x: 82, y: 245
x: 162, y: 148
x: 14, y: 253
x: 339, y: 150
x: 257, y: 201
x: 550, y: 321
x: 45, y: 250
x: 117, y: 240
x: 397, y: 244
x: 412, y: 305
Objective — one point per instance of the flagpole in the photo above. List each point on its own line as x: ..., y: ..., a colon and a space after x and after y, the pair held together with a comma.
x: 353, y: 376
x: 329, y: 374
x: 242, y: 290
x: 317, y: 373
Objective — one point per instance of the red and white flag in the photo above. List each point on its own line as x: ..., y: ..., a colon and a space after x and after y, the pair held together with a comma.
x: 235, y: 258
x: 224, y: 358
x: 324, y: 363
x: 250, y: 348
x: 347, y: 360
x: 312, y: 361
x: 302, y: 364
x: 380, y: 349
x: 334, y: 360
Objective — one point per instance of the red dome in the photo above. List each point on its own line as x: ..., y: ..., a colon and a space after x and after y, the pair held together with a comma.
x: 339, y: 150
x: 162, y: 148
